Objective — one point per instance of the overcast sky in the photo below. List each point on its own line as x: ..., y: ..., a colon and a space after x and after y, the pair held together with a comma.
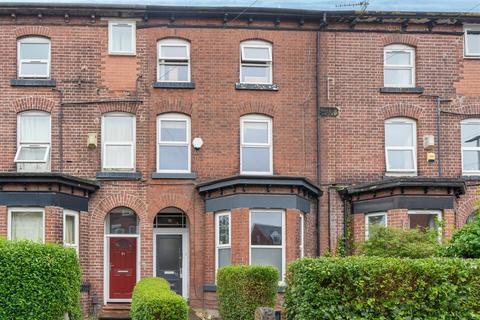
x: 397, y: 5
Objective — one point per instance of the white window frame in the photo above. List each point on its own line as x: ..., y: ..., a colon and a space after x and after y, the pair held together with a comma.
x: 24, y: 209
x: 44, y: 61
x: 258, y: 119
x: 256, y: 62
x: 29, y: 144
x: 111, y: 25
x: 283, y: 246
x: 175, y: 60
x: 75, y: 214
x: 373, y: 214
x: 413, y: 148
x: 466, y: 29
x: 217, y: 236
x: 174, y: 117
x: 132, y: 143
x: 411, y: 66
x: 467, y: 122
x: 302, y: 235
x: 438, y: 213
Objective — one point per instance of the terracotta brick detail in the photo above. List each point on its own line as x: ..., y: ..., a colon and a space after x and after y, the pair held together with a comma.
x: 129, y: 107
x: 32, y: 30
x: 402, y: 110
x: 258, y: 107
x: 400, y: 39
x: 179, y: 105
x: 33, y: 103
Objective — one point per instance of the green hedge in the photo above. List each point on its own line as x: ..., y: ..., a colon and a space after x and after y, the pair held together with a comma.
x: 38, y: 281
x: 465, y: 243
x: 242, y: 289
x: 362, y: 287
x: 153, y: 300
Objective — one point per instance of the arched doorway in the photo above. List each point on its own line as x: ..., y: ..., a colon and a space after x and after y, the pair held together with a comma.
x: 121, y: 254
x: 170, y: 248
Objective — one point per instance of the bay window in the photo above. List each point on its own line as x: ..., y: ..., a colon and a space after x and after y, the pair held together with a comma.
x: 118, y: 141
x: 223, y: 239
x: 26, y: 224
x: 400, y: 146
x: 374, y: 219
x: 71, y: 236
x: 173, y: 145
x: 256, y: 145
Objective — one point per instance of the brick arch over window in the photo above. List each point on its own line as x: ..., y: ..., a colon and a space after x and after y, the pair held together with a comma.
x: 170, y: 200
x: 466, y: 208
x: 128, y: 107
x: 169, y: 105
x: 33, y: 31
x: 257, y: 38
x: 400, y: 39
x: 120, y: 199
x: 33, y: 103
x: 256, y: 107
x: 406, y: 110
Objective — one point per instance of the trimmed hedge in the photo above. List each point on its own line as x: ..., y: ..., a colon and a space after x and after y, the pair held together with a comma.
x: 242, y: 289
x: 362, y: 287
x: 465, y: 243
x: 153, y: 300
x: 38, y: 281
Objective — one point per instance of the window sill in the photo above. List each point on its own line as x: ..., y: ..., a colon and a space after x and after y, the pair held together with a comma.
x: 253, y: 86
x: 417, y: 90
x: 400, y: 174
x: 174, y: 85
x: 33, y: 83
x: 183, y: 176
x: 115, y: 175
x: 472, y: 177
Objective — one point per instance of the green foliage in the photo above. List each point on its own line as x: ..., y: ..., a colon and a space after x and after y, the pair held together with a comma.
x: 393, y: 242
x: 38, y: 281
x: 153, y: 300
x: 360, y: 287
x: 242, y: 289
x: 465, y: 243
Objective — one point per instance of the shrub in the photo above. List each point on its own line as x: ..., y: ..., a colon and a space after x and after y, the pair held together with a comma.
x: 465, y: 243
x: 360, y: 287
x: 153, y: 300
x: 393, y: 242
x: 38, y: 281
x: 242, y: 289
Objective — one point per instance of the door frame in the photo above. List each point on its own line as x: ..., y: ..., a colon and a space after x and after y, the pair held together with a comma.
x: 106, y: 265
x: 185, y: 257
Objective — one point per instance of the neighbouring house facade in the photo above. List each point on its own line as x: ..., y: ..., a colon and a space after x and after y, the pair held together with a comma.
x: 170, y: 141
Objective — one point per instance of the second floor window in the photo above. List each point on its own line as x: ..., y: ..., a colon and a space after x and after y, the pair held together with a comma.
x: 118, y: 141
x: 400, y: 145
x: 33, y: 57
x: 470, y: 133
x: 399, y: 66
x: 472, y: 40
x: 173, y: 147
x: 33, y: 138
x: 121, y: 37
x: 256, y: 145
x: 173, y: 61
x: 256, y: 62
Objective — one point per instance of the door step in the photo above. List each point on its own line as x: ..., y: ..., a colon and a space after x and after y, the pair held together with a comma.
x: 115, y: 311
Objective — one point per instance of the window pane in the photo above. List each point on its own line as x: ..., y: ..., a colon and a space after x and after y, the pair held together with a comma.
x: 32, y: 69
x: 70, y: 230
x: 32, y: 153
x: 256, y: 159
x: 122, y: 220
x: 397, y: 58
x: 268, y: 256
x: 398, y: 77
x: 400, y: 160
x: 118, y: 129
x: 471, y: 160
x: 224, y: 257
x: 422, y: 221
x: 34, y: 128
x: 376, y: 220
x: 255, y: 132
x: 34, y: 51
x: 122, y: 38
x: 266, y: 228
x: 173, y: 131
x: 118, y: 156
x: 173, y: 72
x: 470, y: 134
x: 399, y: 135
x: 256, y: 74
x: 223, y: 230
x: 473, y: 42
x: 172, y: 51
x: 253, y: 53
x: 173, y: 158
x: 27, y: 226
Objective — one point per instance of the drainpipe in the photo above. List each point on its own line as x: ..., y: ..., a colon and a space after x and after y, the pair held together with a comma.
x: 317, y: 82
x: 60, y: 128
x: 439, y: 161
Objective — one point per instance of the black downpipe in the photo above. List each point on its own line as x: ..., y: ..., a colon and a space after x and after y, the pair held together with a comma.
x: 345, y: 224
x: 317, y: 82
x: 439, y: 155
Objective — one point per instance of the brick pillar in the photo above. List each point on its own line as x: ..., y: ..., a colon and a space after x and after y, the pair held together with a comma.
x: 54, y: 224
x: 292, y: 235
x: 448, y: 218
x: 398, y: 218
x: 240, y: 236
x: 145, y: 245
x: 3, y: 222
x: 358, y: 227
x: 209, y: 250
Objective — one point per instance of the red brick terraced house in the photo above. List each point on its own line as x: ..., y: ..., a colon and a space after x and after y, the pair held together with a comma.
x: 171, y: 141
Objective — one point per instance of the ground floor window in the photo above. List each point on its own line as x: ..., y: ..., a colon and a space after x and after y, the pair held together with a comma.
x: 376, y: 218
x: 26, y: 224
x: 71, y: 229
x: 223, y: 239
x: 267, y: 239
x: 424, y: 220
x: 302, y: 235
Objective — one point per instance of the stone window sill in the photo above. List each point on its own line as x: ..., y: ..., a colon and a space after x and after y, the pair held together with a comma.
x: 183, y: 176
x: 472, y: 177
x: 252, y: 86
x: 33, y: 83
x: 105, y: 175
x: 418, y: 90
x: 174, y: 85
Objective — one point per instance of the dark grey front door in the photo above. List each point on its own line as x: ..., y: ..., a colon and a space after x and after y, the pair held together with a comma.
x: 169, y: 260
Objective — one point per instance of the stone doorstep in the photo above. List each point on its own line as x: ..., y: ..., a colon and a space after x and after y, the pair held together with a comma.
x: 204, y: 314
x: 119, y: 311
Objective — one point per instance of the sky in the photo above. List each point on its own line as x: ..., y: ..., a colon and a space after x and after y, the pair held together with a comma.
x: 389, y: 5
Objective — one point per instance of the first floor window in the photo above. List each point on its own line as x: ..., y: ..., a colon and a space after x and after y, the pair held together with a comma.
x: 33, y: 57
x: 470, y: 134
x: 424, y: 220
x: 400, y: 145
x: 33, y: 137
x: 399, y: 66
x: 121, y: 37
x: 267, y: 239
x: 256, y: 144
x: 173, y: 61
x: 256, y: 62
x: 71, y: 229
x: 173, y: 143
x: 118, y: 141
x: 374, y: 219
x: 223, y: 239
x: 26, y: 224
x: 472, y: 40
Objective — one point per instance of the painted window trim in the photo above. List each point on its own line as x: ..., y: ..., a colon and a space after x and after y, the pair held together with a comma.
x: 411, y: 66
x: 133, y: 25
x: 268, y: 63
x: 283, y: 246
x: 75, y: 214
x: 463, y: 149
x: 21, y: 144
x: 177, y: 60
x: 466, y: 29
x: 24, y: 209
x: 438, y: 213
x: 302, y: 235
x: 186, y: 143
x: 374, y: 214
x: 217, y: 236
x: 132, y: 143
x: 34, y: 39
x: 411, y: 148
x: 259, y: 119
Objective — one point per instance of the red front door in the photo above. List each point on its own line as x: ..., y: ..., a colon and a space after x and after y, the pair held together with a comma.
x: 123, y: 267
